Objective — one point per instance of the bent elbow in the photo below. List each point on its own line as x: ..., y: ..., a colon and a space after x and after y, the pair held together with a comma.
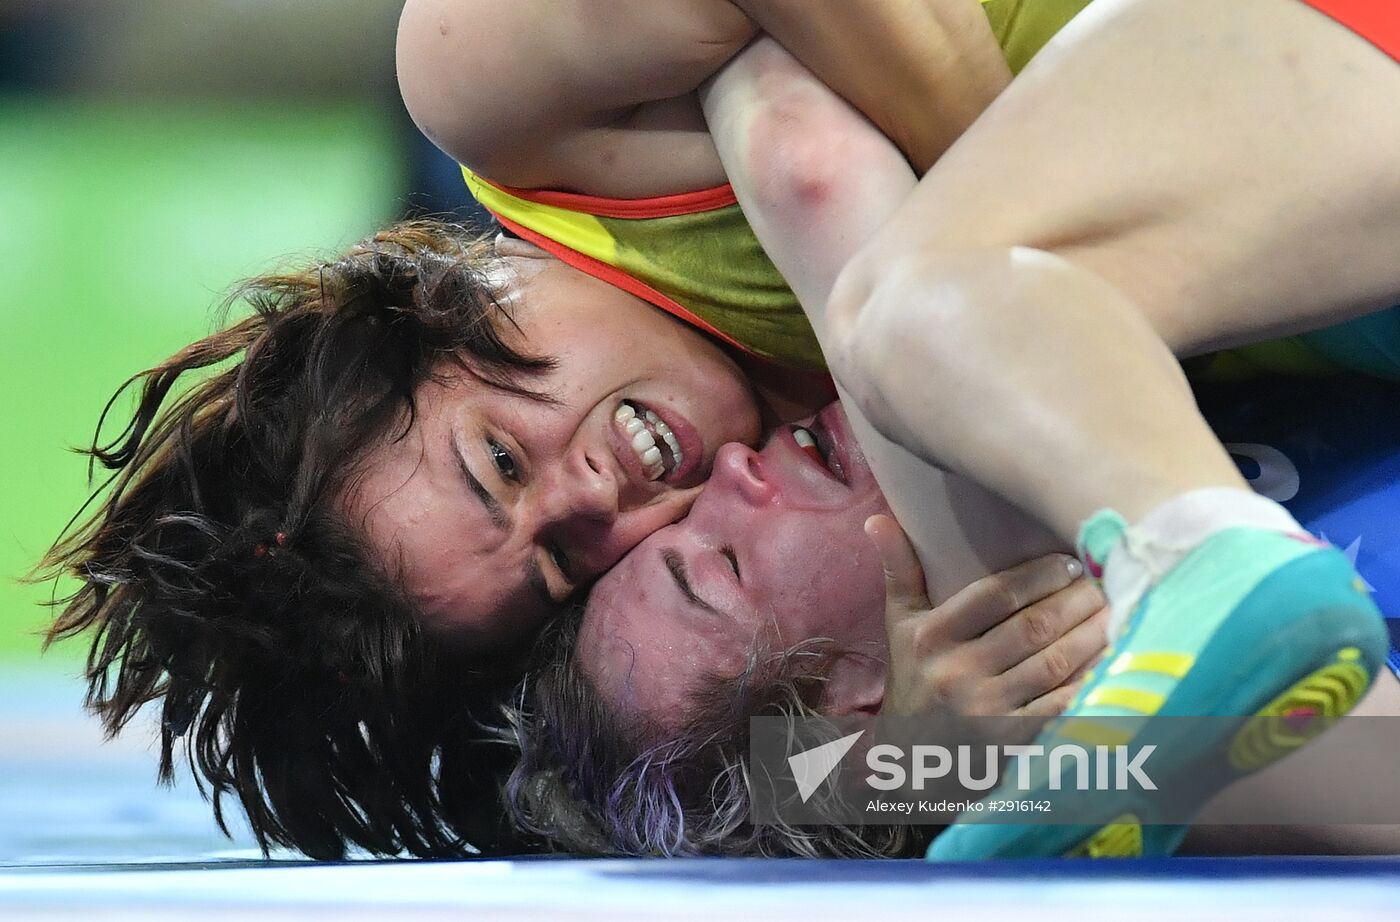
x: 796, y: 165
x: 439, y: 81
x: 413, y: 49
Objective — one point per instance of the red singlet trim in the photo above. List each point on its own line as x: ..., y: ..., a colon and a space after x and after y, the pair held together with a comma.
x: 1377, y: 21
x: 661, y: 206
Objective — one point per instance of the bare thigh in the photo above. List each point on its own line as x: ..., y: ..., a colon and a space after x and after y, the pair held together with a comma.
x: 1229, y: 166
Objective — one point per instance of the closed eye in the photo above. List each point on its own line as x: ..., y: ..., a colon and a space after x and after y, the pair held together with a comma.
x: 560, y: 559
x: 729, y: 555
x: 675, y: 565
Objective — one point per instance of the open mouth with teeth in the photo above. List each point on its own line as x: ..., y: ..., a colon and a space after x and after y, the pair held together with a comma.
x: 817, y: 444
x: 655, y: 444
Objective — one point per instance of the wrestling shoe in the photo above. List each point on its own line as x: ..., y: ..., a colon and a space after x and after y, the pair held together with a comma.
x: 1254, y: 624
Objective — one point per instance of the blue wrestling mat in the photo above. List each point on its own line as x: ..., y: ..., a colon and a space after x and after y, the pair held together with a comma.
x: 723, y: 889
x: 1329, y: 450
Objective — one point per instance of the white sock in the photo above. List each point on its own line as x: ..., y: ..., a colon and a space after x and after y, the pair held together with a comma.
x: 1157, y: 543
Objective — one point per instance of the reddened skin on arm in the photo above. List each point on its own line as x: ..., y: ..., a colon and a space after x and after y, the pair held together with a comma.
x: 816, y: 178
x: 921, y: 70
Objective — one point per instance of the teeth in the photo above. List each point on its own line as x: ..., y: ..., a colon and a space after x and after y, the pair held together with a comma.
x: 644, y: 430
x: 643, y: 442
x: 808, y: 443
x: 667, y: 436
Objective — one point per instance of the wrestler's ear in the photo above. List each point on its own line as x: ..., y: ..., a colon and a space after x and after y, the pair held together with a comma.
x: 855, y: 690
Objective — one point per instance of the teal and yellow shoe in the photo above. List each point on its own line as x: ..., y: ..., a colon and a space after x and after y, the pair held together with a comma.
x: 1252, y: 624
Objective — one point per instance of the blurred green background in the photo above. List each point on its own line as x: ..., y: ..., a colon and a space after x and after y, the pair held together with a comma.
x: 151, y: 154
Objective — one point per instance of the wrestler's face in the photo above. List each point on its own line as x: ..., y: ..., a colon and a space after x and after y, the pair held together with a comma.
x: 772, y: 554
x: 495, y: 507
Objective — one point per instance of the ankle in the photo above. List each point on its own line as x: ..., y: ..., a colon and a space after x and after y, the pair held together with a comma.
x: 1129, y: 559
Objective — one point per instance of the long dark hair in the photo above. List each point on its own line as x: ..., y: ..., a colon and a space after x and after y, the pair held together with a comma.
x: 217, y: 578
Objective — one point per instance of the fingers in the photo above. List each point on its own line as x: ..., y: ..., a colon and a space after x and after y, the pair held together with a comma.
x: 1056, y: 665
x: 1050, y: 704
x: 906, y: 594
x: 1037, y: 626
x: 994, y: 599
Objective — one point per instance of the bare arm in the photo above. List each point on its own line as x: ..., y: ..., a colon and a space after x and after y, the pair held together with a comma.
x: 597, y: 95
x: 593, y: 95
x: 921, y: 70
x: 816, y: 181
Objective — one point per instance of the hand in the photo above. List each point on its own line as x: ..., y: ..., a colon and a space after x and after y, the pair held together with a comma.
x: 1011, y: 644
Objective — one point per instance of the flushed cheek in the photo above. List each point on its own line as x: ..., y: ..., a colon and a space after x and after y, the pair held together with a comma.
x: 829, y: 577
x: 864, y: 582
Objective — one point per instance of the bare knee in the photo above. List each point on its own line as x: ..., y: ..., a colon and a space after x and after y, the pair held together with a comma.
x: 970, y: 292
x: 859, y: 301
x: 924, y: 313
x: 949, y: 317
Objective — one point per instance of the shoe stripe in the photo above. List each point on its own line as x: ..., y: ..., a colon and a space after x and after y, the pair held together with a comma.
x: 1175, y: 665
x: 1144, y: 702
x: 1093, y: 732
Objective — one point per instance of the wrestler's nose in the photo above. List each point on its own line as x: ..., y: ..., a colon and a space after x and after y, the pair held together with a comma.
x: 738, y: 470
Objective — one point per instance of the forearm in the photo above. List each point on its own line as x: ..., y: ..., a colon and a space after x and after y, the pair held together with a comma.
x: 921, y: 70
